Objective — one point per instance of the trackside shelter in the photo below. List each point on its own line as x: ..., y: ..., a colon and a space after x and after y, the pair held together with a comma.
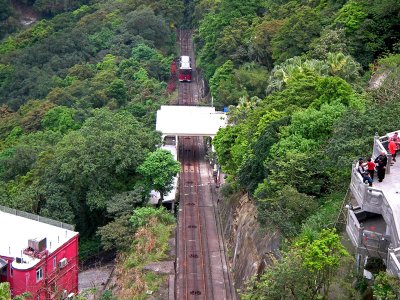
x: 189, y: 121
x: 178, y: 121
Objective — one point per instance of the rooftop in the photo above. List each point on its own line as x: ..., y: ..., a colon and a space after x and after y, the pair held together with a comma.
x: 189, y: 120
x: 17, y: 230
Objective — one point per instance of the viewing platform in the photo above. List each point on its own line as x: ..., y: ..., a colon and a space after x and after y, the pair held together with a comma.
x: 373, y: 222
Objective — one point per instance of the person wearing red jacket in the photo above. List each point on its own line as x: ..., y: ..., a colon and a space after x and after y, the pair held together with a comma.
x: 393, y: 149
x: 371, y: 167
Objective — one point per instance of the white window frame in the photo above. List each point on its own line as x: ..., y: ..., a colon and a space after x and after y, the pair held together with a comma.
x: 55, y: 262
x: 39, y: 274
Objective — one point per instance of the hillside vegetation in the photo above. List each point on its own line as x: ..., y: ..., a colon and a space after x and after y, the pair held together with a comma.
x: 294, y: 75
x: 79, y: 93
x: 79, y: 90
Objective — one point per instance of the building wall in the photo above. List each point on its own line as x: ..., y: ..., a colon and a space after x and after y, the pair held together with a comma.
x: 54, y: 280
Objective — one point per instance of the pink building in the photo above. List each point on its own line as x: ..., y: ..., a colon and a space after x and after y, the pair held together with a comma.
x: 38, y: 255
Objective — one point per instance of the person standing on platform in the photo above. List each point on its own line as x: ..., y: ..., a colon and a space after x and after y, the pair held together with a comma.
x: 371, y: 167
x: 395, y: 138
x: 393, y: 149
x: 381, y: 162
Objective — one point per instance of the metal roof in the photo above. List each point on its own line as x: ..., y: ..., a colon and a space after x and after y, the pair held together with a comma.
x: 189, y: 120
x: 20, y: 229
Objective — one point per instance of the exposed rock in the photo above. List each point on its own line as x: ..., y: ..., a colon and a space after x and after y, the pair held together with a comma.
x: 251, y: 247
x: 163, y: 267
x: 378, y: 79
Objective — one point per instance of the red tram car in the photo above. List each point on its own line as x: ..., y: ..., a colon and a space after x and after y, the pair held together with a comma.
x: 185, y: 69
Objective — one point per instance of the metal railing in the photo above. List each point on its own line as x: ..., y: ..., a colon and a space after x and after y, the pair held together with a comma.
x: 38, y: 218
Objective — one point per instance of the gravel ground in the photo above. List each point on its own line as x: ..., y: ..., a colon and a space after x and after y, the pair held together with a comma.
x: 95, y: 277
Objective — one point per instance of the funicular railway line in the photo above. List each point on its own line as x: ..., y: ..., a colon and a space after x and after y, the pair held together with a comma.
x: 201, y: 267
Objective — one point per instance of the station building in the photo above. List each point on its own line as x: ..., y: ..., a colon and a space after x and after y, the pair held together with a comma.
x: 38, y: 255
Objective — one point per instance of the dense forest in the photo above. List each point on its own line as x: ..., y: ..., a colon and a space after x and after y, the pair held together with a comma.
x: 295, y: 75
x: 79, y: 90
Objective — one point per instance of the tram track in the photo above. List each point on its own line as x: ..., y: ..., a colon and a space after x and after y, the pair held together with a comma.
x: 202, y: 271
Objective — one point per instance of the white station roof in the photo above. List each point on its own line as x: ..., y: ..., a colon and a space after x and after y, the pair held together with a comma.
x: 19, y: 230
x: 190, y: 120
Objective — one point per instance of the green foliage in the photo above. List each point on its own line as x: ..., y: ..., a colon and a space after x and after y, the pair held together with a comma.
x: 150, y: 245
x: 145, y: 23
x: 386, y: 287
x: 304, y: 272
x: 118, y: 234
x: 221, y: 33
x: 107, y: 148
x: 294, y: 37
x: 330, y: 41
x: 88, y: 247
x: 317, y: 124
x: 352, y: 14
x: 158, y: 170
x: 107, y: 295
x: 326, y: 215
x: 223, y: 142
x: 48, y: 7
x: 5, y: 293
x: 60, y: 119
x: 124, y: 203
x: 287, y: 202
x: 390, y: 61
x: 141, y: 216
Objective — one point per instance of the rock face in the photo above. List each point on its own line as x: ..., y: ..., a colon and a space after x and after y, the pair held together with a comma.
x: 27, y: 14
x: 251, y: 248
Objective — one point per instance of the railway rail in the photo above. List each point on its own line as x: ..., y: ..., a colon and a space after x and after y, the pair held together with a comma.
x: 201, y: 266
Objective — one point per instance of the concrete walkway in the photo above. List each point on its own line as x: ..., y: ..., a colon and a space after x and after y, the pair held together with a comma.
x: 391, y: 189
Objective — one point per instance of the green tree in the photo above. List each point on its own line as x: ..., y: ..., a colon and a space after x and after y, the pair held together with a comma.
x: 124, y: 203
x: 386, y: 287
x: 5, y: 293
x: 158, y: 171
x: 295, y: 35
x: 145, y: 23
x: 117, y: 234
x: 223, y: 86
x: 305, y: 272
x: 260, y: 47
x: 330, y: 41
x: 94, y: 163
x: 60, y: 119
x: 288, y: 202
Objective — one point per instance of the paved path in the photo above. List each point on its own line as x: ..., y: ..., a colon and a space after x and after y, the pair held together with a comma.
x: 391, y: 188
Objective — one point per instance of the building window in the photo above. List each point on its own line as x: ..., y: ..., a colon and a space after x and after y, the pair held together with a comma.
x: 54, y: 262
x: 39, y: 274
